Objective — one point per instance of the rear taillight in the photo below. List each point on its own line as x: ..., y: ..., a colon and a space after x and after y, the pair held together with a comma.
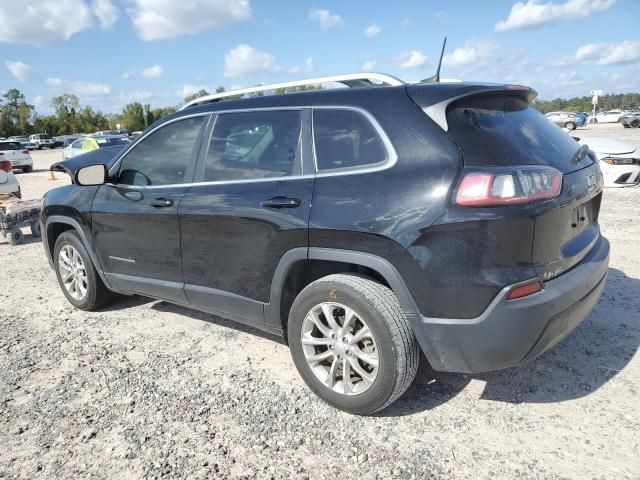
x: 26, y: 152
x: 490, y: 187
x: 5, y: 165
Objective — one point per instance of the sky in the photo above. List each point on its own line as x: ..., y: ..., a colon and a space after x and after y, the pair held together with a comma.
x: 113, y: 52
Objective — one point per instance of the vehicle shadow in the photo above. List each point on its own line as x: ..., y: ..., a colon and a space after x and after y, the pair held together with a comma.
x: 598, y: 350
x: 26, y: 240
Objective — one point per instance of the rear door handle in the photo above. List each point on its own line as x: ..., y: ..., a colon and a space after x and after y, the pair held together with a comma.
x: 161, y: 202
x: 281, y: 202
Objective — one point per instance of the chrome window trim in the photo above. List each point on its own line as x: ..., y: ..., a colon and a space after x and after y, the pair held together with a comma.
x: 392, y: 155
x: 390, y: 161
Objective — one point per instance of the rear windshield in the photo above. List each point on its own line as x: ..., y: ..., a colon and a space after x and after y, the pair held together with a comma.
x: 44, y: 136
x: 10, y: 146
x: 504, y: 131
x: 112, y: 141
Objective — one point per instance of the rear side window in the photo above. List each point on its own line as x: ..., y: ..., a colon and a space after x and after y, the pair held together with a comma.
x: 346, y: 139
x: 248, y: 145
x: 164, y: 156
x: 10, y: 146
x: 505, y: 131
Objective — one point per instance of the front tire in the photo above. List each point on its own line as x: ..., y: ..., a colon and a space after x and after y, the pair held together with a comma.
x: 76, y: 274
x: 352, y: 344
x: 635, y: 123
x: 27, y: 169
x: 570, y: 125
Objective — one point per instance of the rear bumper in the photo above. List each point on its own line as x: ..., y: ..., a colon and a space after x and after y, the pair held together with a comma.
x: 512, y: 332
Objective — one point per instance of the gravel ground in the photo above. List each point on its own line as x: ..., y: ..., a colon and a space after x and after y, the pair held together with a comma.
x: 148, y: 389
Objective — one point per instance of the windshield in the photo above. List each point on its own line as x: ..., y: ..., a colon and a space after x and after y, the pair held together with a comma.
x: 502, y: 131
x: 111, y: 141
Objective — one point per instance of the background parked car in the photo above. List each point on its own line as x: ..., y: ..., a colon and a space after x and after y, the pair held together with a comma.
x: 605, y: 117
x: 619, y: 162
x: 565, y: 119
x: 87, y: 144
x: 9, y: 186
x: 582, y: 118
x: 64, y: 140
x: 42, y: 140
x: 631, y: 119
x: 15, y: 153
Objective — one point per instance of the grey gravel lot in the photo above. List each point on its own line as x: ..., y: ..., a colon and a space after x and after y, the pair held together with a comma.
x: 148, y: 389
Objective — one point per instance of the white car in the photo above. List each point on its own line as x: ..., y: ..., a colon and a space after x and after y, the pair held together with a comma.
x: 9, y: 186
x: 606, y: 117
x: 42, y: 140
x: 17, y: 154
x: 619, y: 162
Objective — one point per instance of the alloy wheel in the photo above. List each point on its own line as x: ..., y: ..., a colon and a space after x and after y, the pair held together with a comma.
x: 73, y: 272
x: 340, y: 348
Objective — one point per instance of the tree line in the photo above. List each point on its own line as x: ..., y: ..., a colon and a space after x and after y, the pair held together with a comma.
x: 18, y: 117
x: 622, y: 101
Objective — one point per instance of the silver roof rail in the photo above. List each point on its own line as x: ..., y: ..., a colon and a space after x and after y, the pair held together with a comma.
x: 350, y: 80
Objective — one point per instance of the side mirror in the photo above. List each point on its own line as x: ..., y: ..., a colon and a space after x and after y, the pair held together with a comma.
x: 91, y: 175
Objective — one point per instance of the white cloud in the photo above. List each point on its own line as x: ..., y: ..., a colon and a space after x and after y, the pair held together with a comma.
x: 80, y: 88
x: 406, y: 23
x: 187, y: 90
x: 128, y: 74
x: 369, y: 65
x: 244, y: 60
x: 106, y: 12
x: 135, y: 96
x: 42, y: 22
x: 372, y: 30
x: 602, y: 54
x: 412, y: 59
x: 534, y: 14
x: 21, y: 71
x: 155, y: 71
x: 326, y: 18
x: 308, y: 67
x: 37, y: 100
x: 162, y: 19
x: 474, y: 51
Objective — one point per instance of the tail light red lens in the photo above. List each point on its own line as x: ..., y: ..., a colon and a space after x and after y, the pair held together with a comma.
x: 507, y: 186
x: 26, y: 152
x: 525, y: 290
x: 5, y: 165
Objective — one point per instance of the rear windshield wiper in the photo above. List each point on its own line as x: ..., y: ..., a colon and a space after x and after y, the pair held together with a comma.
x: 580, y: 154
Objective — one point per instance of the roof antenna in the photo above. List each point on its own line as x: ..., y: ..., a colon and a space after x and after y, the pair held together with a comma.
x: 436, y: 77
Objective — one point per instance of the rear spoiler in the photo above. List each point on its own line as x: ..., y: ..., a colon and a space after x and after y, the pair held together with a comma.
x: 435, y: 99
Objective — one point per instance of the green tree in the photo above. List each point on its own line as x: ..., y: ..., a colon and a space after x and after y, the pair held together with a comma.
x: 66, y: 106
x: 15, y: 113
x: 200, y: 93
x: 133, y: 117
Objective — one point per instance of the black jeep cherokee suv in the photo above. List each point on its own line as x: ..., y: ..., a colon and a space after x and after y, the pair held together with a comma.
x: 362, y: 224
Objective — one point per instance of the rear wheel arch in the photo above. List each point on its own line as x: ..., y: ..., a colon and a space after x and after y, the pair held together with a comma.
x: 300, y: 267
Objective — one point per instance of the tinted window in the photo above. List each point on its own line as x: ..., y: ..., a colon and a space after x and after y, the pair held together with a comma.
x: 504, y: 131
x: 344, y: 139
x: 77, y: 143
x: 254, y: 145
x: 164, y: 156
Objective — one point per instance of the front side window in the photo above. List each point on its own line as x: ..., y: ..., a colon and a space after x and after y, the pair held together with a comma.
x: 164, y: 156
x: 248, y: 145
x: 345, y: 139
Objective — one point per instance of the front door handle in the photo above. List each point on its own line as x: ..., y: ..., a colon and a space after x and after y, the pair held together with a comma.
x: 161, y: 202
x: 281, y: 202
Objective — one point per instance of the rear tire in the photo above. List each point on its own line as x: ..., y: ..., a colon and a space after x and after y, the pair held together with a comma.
x: 28, y: 169
x: 90, y: 292
x: 570, y: 125
x: 35, y: 229
x: 635, y: 123
x: 380, y: 365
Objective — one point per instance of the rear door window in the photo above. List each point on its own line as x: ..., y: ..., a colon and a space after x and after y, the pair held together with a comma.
x: 251, y: 145
x: 346, y: 139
